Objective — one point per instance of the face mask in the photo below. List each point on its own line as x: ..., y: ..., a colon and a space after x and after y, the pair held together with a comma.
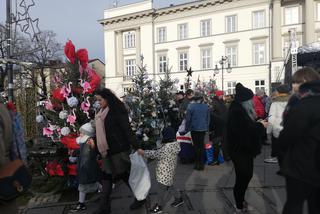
x: 81, y: 140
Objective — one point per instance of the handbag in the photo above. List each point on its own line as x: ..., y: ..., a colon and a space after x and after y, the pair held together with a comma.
x: 15, y: 179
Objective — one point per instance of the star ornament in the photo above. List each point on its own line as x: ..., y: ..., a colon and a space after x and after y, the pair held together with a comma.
x: 189, y: 71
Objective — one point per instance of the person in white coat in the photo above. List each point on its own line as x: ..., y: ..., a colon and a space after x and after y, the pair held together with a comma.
x: 166, y: 157
x: 279, y: 103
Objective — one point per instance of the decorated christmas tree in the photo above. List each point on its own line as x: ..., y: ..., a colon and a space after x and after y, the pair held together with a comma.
x: 167, y: 108
x: 207, y: 89
x: 70, y: 104
x: 143, y: 109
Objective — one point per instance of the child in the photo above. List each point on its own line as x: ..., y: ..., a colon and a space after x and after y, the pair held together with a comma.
x: 166, y: 157
x: 88, y: 168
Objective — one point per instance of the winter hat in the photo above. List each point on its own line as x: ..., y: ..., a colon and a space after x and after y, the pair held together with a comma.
x: 219, y: 93
x: 283, y: 89
x: 242, y: 93
x: 168, y: 134
x: 87, y: 131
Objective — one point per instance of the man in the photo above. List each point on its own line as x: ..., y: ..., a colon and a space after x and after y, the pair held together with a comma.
x: 218, y: 121
x: 187, y: 99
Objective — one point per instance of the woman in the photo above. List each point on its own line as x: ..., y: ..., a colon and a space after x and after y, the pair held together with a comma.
x: 114, y: 141
x: 279, y: 102
x: 299, y: 144
x: 197, y: 121
x: 244, y: 141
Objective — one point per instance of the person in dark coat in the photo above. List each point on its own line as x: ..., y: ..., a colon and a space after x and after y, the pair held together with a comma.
x: 217, y: 126
x: 197, y: 121
x: 114, y: 140
x: 244, y: 141
x: 299, y: 149
x: 88, y: 169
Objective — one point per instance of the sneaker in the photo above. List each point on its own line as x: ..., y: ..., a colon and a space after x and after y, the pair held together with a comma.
x: 156, y: 209
x: 214, y: 163
x: 78, y: 207
x: 271, y: 160
x: 240, y: 211
x: 137, y: 204
x: 177, y: 202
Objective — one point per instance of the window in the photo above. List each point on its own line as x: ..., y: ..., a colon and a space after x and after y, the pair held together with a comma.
x: 260, y: 85
x: 129, y: 40
x: 291, y: 15
x: 231, y: 53
x: 162, y: 63
x: 206, y: 58
x: 231, y: 87
x: 130, y: 67
x: 205, y: 27
x: 258, y: 19
x: 259, y: 53
x: 231, y: 25
x: 162, y: 34
x: 183, y: 61
x: 183, y: 31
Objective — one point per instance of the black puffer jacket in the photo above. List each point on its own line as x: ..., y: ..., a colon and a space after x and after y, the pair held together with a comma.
x: 120, y: 137
x: 244, y: 135
x: 299, y: 141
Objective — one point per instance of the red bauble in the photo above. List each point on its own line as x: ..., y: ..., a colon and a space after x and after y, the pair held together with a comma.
x: 56, y: 94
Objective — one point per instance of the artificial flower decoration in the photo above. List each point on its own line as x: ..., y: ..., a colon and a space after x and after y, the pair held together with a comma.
x: 70, y: 52
x: 82, y: 55
x: 57, y: 95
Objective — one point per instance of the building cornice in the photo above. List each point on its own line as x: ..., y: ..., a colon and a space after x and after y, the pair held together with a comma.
x: 127, y: 17
x: 259, y: 37
x: 231, y: 41
x: 183, y: 47
x: 206, y: 44
x: 162, y: 50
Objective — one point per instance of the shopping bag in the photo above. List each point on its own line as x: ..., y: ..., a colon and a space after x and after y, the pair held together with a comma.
x: 139, y: 179
x: 184, y: 138
x: 208, y: 154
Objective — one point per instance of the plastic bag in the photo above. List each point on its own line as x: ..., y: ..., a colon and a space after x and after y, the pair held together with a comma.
x: 139, y: 179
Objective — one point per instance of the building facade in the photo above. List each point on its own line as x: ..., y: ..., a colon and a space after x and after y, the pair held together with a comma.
x: 252, y: 34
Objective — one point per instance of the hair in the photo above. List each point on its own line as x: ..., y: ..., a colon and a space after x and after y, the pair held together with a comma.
x: 306, y: 74
x: 249, y: 108
x: 189, y: 92
x: 114, y: 103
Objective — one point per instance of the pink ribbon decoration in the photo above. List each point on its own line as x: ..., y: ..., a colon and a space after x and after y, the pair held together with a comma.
x: 85, y: 106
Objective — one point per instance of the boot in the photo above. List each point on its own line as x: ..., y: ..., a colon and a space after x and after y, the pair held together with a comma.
x: 137, y: 204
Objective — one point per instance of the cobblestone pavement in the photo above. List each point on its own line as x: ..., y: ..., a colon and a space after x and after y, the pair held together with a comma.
x: 205, y: 192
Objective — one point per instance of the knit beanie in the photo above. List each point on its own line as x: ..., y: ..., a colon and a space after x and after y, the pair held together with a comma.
x: 168, y: 135
x: 87, y: 131
x: 242, y: 93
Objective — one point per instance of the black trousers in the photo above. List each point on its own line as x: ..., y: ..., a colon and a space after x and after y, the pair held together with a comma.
x: 198, y: 143
x: 297, y: 193
x: 243, y: 165
x: 105, y: 200
x: 274, y: 147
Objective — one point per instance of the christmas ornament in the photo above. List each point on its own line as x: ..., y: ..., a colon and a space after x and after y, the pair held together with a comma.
x: 63, y: 114
x: 72, y: 118
x: 65, y: 131
x: 145, y: 138
x: 39, y: 119
x: 85, y: 106
x: 72, y: 101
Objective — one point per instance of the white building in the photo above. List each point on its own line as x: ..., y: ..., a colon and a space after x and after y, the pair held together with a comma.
x: 253, y: 34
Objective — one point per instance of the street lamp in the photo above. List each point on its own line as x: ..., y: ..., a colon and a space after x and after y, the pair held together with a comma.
x: 224, y: 63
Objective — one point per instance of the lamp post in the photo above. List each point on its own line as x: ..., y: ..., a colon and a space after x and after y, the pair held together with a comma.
x: 225, y: 64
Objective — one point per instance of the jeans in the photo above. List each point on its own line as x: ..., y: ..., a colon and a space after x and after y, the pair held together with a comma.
x: 243, y: 165
x: 297, y: 193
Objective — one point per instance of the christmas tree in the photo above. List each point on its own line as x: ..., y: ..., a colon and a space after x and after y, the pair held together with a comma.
x: 143, y: 109
x: 70, y: 104
x: 167, y: 108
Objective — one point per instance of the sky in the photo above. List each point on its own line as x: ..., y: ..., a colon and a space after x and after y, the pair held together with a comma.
x: 77, y: 20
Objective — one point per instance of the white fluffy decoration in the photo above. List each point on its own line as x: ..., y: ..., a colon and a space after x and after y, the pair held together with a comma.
x: 72, y: 101
x: 39, y: 119
x: 65, y: 131
x: 63, y: 114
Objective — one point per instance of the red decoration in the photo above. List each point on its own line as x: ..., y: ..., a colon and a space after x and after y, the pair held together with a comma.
x: 56, y: 94
x: 11, y: 106
x: 82, y: 55
x: 70, y: 51
x: 70, y: 141
x: 54, y: 168
x: 72, y: 169
x: 94, y: 81
x: 77, y: 90
x: 219, y: 93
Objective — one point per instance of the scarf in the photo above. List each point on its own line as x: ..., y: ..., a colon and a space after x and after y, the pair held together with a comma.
x: 101, y: 131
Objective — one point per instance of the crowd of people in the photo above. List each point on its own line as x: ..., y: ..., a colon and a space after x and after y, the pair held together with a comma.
x: 237, y: 126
